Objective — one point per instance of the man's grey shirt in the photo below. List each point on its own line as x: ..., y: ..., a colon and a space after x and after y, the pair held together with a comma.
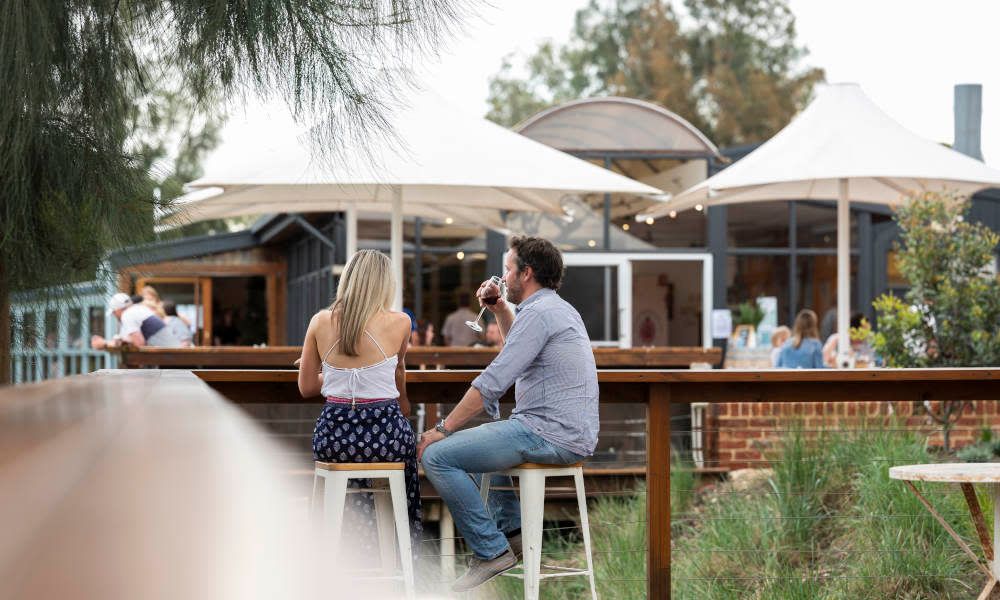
x: 549, y: 357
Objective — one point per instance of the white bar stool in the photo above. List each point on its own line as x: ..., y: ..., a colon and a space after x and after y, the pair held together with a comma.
x: 387, y: 511
x: 531, y: 478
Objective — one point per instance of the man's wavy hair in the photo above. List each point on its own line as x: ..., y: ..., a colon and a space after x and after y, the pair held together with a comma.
x: 543, y: 258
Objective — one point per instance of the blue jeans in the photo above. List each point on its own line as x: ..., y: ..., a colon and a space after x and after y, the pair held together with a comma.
x: 455, y: 464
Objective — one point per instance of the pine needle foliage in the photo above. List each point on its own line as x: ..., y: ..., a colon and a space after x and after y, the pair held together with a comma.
x: 73, y: 179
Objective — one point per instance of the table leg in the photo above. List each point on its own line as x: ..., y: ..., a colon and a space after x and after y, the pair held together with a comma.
x: 977, y: 519
x: 958, y: 539
x: 994, y: 563
x: 988, y: 590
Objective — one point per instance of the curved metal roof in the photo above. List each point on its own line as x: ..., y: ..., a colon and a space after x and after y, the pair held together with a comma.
x: 615, y: 125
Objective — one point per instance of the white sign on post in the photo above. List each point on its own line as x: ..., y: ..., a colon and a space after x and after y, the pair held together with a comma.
x: 722, y: 323
x: 768, y: 304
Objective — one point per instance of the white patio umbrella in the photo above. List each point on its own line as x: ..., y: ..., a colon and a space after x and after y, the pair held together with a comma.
x: 192, y: 207
x: 438, y: 157
x: 841, y: 147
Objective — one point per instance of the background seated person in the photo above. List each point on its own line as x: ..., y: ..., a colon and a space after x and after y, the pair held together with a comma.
x: 139, y: 326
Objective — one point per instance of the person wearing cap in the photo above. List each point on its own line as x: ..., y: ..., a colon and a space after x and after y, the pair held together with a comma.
x: 139, y: 326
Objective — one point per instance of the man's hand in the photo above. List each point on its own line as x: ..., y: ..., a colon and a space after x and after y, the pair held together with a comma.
x: 426, y: 439
x: 488, y: 288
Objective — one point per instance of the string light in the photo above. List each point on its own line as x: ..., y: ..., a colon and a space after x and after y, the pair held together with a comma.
x: 673, y: 214
x: 698, y: 207
x: 649, y: 220
x: 460, y: 255
x: 625, y: 227
x: 449, y: 221
x: 591, y: 243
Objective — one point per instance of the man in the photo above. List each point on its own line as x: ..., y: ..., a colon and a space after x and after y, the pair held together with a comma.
x: 140, y: 326
x: 454, y: 330
x: 549, y: 357
x: 492, y: 337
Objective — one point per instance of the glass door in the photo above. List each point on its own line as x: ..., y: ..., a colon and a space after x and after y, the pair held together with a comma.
x: 599, y: 287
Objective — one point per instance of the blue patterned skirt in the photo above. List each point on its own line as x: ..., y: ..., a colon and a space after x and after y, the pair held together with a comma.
x: 369, y: 432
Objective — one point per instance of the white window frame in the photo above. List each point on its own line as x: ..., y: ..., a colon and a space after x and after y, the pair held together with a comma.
x: 624, y: 260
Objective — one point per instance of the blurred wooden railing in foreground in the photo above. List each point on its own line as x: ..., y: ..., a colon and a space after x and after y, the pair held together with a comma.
x: 281, y: 357
x: 143, y: 484
x: 657, y: 389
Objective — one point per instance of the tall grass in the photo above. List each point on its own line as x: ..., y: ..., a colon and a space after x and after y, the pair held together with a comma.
x: 828, y: 523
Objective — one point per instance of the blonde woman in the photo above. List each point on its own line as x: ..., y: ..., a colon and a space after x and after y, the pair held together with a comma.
x: 778, y: 339
x: 151, y: 298
x: 803, y: 350
x: 353, y: 355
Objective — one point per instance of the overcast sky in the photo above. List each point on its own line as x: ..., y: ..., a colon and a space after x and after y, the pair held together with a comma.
x: 907, y: 55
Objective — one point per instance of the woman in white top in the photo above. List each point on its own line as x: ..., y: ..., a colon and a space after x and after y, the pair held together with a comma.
x: 353, y: 355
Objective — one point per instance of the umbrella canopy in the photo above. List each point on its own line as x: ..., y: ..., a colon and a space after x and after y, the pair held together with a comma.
x: 193, y: 207
x: 437, y: 157
x: 841, y: 147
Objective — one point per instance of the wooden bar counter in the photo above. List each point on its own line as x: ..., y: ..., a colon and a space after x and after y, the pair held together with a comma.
x: 282, y: 357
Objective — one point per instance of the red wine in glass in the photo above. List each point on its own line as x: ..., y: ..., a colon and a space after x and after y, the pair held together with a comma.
x: 491, y: 299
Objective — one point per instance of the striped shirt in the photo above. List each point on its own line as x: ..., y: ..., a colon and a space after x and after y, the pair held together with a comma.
x: 549, y: 358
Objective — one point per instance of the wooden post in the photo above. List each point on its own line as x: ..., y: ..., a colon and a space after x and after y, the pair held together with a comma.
x: 658, y: 490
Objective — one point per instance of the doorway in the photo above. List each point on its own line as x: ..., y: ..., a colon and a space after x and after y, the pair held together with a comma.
x: 641, y: 299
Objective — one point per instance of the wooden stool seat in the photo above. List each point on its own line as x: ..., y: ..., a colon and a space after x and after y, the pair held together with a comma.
x: 531, y: 465
x: 378, y: 466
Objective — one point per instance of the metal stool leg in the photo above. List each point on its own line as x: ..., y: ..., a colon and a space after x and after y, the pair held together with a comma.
x: 385, y: 523
x: 334, y: 499
x: 397, y: 487
x: 581, y: 500
x: 532, y: 512
x: 484, y: 487
x: 312, y: 498
x: 447, y: 544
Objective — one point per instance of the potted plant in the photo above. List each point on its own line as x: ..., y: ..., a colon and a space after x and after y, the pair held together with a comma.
x: 746, y: 318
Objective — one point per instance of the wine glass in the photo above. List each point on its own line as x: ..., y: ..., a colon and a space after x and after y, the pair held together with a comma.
x: 488, y: 300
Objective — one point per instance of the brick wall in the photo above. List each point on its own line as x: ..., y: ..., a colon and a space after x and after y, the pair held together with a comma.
x: 738, y: 435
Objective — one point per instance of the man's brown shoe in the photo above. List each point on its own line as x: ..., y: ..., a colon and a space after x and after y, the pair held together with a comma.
x: 480, y: 571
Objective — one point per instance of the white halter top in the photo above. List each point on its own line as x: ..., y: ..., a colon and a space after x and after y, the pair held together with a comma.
x: 377, y: 381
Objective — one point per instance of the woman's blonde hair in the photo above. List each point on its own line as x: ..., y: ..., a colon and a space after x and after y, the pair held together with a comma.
x: 366, y: 287
x: 806, y: 326
x: 781, y: 333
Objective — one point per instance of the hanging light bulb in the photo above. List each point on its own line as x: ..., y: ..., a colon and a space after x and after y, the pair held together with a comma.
x: 626, y: 227
x: 698, y: 207
x: 673, y: 214
x: 649, y: 220
x: 460, y: 255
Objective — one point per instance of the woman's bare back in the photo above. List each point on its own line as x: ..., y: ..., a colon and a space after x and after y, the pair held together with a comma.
x: 387, y: 328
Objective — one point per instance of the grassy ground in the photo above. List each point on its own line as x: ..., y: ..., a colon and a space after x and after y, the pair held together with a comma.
x: 826, y: 522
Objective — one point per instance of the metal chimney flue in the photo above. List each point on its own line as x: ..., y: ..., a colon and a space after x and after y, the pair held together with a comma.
x: 969, y: 119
